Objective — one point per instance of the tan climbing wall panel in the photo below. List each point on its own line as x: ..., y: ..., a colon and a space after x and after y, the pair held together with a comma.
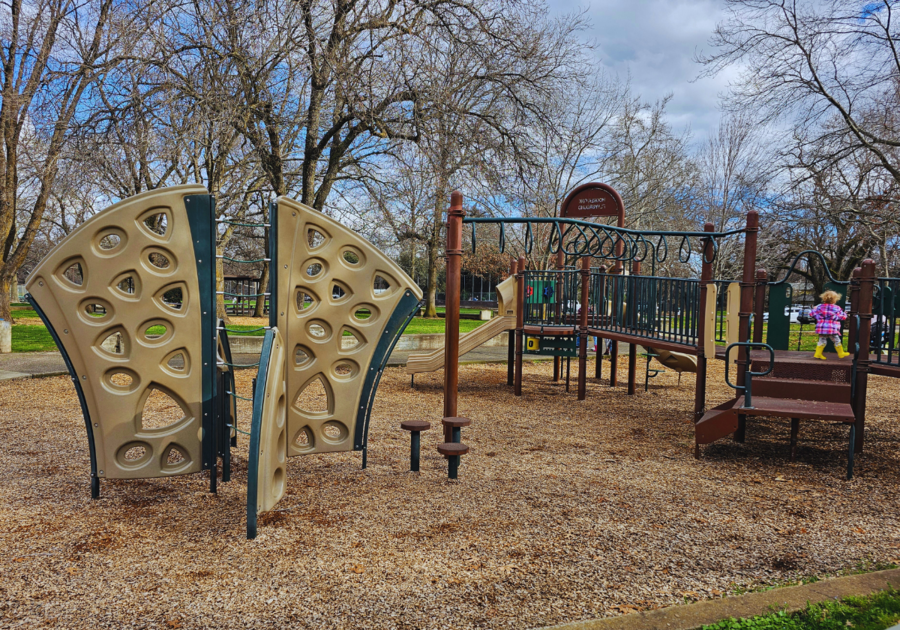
x: 271, y: 469
x: 111, y: 290
x: 709, y: 313
x: 732, y: 317
x: 331, y: 281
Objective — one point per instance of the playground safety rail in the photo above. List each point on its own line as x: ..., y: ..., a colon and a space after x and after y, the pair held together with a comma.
x: 647, y: 307
x: 582, y: 238
x: 885, y: 342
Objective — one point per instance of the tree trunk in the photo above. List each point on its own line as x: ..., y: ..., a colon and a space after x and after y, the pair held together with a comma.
x: 5, y: 311
x: 434, y: 244
x: 221, y: 311
x: 260, y: 310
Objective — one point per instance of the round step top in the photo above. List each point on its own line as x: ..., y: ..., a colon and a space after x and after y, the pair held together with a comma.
x: 452, y: 448
x: 415, y: 426
x: 456, y: 422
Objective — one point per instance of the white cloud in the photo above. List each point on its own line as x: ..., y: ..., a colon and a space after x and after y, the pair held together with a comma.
x: 654, y: 41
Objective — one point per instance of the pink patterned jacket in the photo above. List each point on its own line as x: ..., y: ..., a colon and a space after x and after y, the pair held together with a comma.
x: 828, y: 319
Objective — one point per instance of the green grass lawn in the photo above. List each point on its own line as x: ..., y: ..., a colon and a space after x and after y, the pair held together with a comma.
x: 25, y: 313
x: 807, y: 337
x: 36, y: 338
x: 422, y: 326
x: 875, y: 612
x: 31, y: 338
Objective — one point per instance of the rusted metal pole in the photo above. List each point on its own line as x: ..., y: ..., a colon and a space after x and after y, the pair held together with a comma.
x: 511, y: 337
x: 866, y: 290
x: 583, y: 323
x: 633, y: 315
x: 451, y: 334
x: 705, y: 278
x: 760, y: 305
x: 520, y: 324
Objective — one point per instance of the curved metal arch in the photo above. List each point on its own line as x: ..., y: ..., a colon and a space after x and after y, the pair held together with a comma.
x: 790, y: 270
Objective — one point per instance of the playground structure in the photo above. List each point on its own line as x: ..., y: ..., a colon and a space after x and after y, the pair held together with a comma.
x: 129, y: 298
x: 680, y: 320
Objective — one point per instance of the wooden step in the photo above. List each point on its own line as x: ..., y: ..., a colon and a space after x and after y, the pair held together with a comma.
x: 415, y: 426
x: 452, y: 449
x: 801, y: 388
x: 796, y: 408
x: 716, y: 423
x: 807, y: 370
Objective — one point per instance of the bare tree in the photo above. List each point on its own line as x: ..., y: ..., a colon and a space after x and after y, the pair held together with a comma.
x: 735, y: 170
x: 53, y: 52
x: 814, y: 64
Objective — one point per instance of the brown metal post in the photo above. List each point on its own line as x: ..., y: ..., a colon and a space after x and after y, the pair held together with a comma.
x: 748, y: 284
x: 632, y: 348
x: 520, y: 324
x: 866, y: 290
x: 511, y: 338
x: 598, y: 319
x: 705, y: 278
x: 583, y: 326
x: 560, y: 263
x: 760, y: 305
x: 614, y: 345
x: 854, y: 307
x: 451, y: 333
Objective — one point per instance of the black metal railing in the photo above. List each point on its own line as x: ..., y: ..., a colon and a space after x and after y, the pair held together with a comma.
x: 722, y: 310
x: 884, y: 342
x: 665, y: 309
x: 552, y: 297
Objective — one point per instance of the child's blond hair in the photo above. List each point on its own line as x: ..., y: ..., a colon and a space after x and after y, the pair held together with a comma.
x: 830, y: 297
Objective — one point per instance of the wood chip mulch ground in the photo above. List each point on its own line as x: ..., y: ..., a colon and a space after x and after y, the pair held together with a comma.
x: 564, y: 510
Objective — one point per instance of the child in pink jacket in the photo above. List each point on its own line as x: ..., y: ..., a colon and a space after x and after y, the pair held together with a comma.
x: 828, y: 317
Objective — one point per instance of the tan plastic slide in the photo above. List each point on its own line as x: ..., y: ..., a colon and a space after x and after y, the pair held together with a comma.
x: 506, y: 301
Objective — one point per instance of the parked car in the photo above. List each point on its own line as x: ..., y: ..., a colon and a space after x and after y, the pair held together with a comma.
x: 805, y: 316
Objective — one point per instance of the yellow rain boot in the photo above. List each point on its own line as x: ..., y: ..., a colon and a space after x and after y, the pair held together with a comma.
x: 840, y: 350
x: 819, y: 351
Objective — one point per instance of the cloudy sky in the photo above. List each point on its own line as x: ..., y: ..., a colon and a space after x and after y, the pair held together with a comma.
x: 654, y: 41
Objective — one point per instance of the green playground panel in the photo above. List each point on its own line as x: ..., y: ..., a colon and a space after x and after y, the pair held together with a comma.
x: 779, y: 325
x: 551, y: 346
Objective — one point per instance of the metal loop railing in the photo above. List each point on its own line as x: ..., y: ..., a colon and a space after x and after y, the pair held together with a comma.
x: 605, y: 241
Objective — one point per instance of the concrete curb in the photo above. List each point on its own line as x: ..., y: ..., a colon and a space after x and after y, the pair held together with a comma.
x: 790, y: 598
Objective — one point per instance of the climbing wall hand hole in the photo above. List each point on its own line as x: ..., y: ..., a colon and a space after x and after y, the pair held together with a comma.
x: 315, y: 399
x: 161, y: 409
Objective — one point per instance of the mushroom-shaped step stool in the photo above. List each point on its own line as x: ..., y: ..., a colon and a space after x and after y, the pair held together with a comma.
x: 452, y: 450
x: 415, y: 428
x: 452, y: 428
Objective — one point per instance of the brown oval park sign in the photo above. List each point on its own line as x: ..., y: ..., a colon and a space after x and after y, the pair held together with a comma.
x: 593, y: 200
